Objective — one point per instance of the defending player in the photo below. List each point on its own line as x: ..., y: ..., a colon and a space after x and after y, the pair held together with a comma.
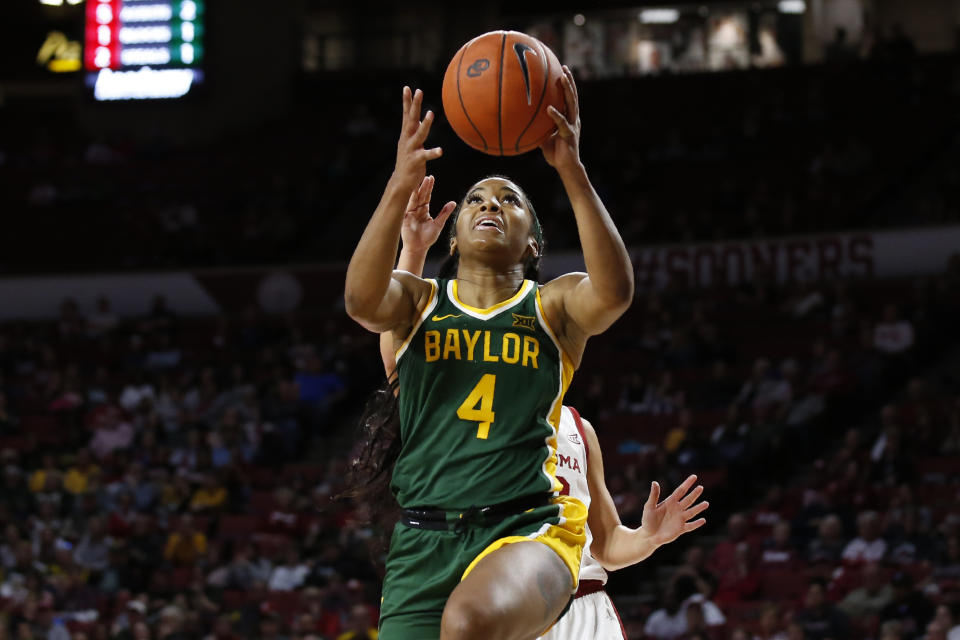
x: 609, y: 544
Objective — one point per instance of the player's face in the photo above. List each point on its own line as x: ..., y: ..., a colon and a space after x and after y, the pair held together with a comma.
x: 495, y: 216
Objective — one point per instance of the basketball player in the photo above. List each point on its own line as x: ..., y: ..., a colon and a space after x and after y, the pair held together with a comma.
x: 485, y: 548
x: 580, y: 471
x: 609, y: 544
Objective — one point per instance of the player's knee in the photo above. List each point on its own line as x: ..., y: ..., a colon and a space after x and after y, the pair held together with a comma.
x: 465, y: 619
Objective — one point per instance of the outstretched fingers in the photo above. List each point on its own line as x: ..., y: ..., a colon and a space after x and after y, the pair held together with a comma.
x: 693, y: 526
x: 448, y: 208
x: 654, y: 497
x: 420, y: 197
x: 696, y: 510
x: 570, y: 94
x: 691, y: 497
x: 414, y: 113
x: 684, y: 487
x: 423, y: 129
x: 407, y: 100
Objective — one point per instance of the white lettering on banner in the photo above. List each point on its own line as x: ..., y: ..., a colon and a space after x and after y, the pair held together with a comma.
x: 886, y: 254
x: 788, y: 260
x: 881, y: 254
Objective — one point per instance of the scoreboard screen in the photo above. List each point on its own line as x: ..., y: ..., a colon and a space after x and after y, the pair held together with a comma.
x: 143, y: 49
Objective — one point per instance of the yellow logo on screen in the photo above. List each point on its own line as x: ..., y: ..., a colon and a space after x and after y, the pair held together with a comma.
x: 59, y: 54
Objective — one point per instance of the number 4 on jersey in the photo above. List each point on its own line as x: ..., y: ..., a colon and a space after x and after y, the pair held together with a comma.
x: 478, y: 407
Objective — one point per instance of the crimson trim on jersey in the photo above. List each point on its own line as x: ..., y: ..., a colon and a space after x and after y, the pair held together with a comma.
x: 616, y: 613
x: 586, y: 587
x: 577, y: 420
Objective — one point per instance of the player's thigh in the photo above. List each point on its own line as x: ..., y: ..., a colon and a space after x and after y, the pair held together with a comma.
x: 514, y: 593
x: 592, y: 616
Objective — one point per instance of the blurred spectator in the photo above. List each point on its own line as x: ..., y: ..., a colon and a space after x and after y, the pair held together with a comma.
x: 185, y: 545
x: 778, y: 550
x: 121, y: 521
x: 731, y: 436
x: 771, y: 625
x: 244, y: 571
x: 46, y: 477
x: 893, y: 335
x: 210, y: 497
x: 136, y: 392
x: 171, y: 624
x: 870, y: 598
x: 103, y: 321
x: 160, y: 319
x: 742, y: 581
x: 81, y: 475
x: 670, y: 621
x: 291, y: 573
x: 113, y: 433
x: 764, y: 392
x: 868, y: 546
x: 947, y: 622
x: 695, y: 565
x: 696, y: 624
x: 9, y: 424
x: 819, y: 618
x: 318, y: 388
x: 892, y: 630
x: 270, y: 626
x: 909, y: 607
x: 948, y: 561
x: 725, y: 553
x: 719, y: 389
x: 72, y: 323
x: 94, y: 548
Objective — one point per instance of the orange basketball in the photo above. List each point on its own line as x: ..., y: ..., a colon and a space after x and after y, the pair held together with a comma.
x: 496, y: 91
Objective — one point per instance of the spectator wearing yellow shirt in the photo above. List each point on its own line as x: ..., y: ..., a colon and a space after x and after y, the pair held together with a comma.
x: 358, y: 625
x: 81, y: 475
x: 41, y: 479
x: 210, y: 497
x: 185, y: 545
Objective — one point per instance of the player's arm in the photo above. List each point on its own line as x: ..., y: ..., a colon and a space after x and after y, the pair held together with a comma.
x: 375, y: 296
x: 417, y: 235
x: 592, y: 301
x: 616, y: 546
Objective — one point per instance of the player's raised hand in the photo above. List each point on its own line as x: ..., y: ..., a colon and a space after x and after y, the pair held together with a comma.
x: 562, y: 149
x: 666, y: 521
x: 412, y: 157
x: 420, y: 231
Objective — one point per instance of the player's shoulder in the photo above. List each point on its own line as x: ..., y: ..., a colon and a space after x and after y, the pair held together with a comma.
x: 575, y: 417
x: 560, y: 285
x: 420, y: 289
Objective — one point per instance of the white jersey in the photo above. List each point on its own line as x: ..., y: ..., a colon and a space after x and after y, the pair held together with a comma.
x: 592, y: 616
x: 572, y: 473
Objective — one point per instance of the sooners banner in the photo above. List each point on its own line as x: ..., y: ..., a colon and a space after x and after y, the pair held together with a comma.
x: 803, y: 258
x: 312, y: 287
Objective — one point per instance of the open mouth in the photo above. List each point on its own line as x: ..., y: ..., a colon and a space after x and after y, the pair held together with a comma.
x: 489, y: 223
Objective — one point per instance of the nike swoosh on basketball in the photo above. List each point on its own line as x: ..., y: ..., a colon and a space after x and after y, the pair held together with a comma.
x: 449, y: 315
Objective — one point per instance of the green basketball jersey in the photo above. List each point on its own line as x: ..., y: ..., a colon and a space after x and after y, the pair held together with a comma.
x: 480, y: 398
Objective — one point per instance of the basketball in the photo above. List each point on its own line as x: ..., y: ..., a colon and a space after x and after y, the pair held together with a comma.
x: 496, y: 91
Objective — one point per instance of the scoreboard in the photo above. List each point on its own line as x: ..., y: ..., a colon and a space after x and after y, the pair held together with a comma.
x: 143, y: 49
